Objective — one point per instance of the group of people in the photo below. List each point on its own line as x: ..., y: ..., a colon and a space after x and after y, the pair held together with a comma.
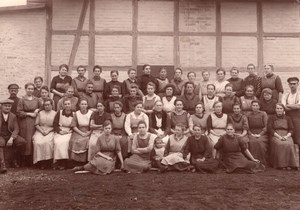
x: 240, y: 125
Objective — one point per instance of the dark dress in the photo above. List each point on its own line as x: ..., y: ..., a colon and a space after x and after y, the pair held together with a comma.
x: 232, y: 157
x: 14, y: 105
x: 268, y: 106
x: 129, y: 102
x: 26, y: 123
x: 274, y: 83
x: 240, y: 124
x: 238, y: 86
x: 109, y: 86
x: 258, y: 125
x: 99, y: 86
x: 282, y: 153
x: 228, y: 102
x: 179, y: 84
x: 190, y: 102
x: 61, y: 85
x: 200, y: 148
x: 176, y: 119
x: 159, y: 121
x: 255, y: 81
x: 144, y: 80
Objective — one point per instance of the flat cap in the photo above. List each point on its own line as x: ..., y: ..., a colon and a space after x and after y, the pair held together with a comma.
x: 6, y: 101
x: 13, y: 86
x: 290, y: 79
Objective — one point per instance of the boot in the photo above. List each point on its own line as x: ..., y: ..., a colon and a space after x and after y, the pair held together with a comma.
x: 3, y: 168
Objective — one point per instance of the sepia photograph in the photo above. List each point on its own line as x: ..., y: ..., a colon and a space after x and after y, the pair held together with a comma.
x: 149, y: 104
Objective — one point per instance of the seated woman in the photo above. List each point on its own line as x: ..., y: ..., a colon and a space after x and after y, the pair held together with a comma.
x: 132, y: 120
x: 168, y: 99
x: 239, y: 122
x: 258, y: 140
x: 159, y: 121
x: 282, y: 150
x: 150, y: 99
x: 173, y: 155
x: 200, y: 149
x: 247, y: 99
x: 142, y: 146
x: 108, y: 147
x: 229, y: 99
x: 79, y: 141
x: 180, y: 116
x: 69, y: 95
x: 45, y: 96
x: 210, y: 98
x: 236, y: 157
x: 216, y: 124
x: 199, y: 118
x: 114, y: 96
x: 118, y: 120
x: 189, y: 98
x: 267, y: 103
x: 96, y: 125
x: 43, y: 136
x: 63, y: 131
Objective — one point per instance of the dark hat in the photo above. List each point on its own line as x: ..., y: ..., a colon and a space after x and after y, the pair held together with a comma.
x: 13, y: 86
x: 292, y: 79
x: 6, y: 101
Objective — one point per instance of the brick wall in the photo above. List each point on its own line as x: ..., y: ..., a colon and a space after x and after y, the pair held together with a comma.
x: 22, y: 48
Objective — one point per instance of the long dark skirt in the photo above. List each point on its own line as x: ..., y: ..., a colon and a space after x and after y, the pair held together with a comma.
x: 259, y: 147
x: 207, y: 166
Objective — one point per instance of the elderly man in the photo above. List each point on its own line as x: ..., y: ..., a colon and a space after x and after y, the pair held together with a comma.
x: 9, y: 130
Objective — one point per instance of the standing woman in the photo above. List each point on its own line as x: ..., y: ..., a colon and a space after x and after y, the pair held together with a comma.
x: 118, y: 121
x: 210, y: 98
x: 221, y: 82
x: 216, y: 124
x: 114, y: 75
x: 258, y: 140
x: 247, y: 99
x: 189, y: 98
x: 43, y: 136
x: 38, y: 84
x: 142, y: 146
x: 27, y: 111
x: 180, y: 116
x: 178, y: 82
x: 80, y: 137
x: 79, y: 83
x: 108, y: 148
x: 229, y: 99
x: 168, y: 99
x: 159, y: 121
x: 96, y: 125
x: 173, y: 155
x: 99, y: 82
x: 197, y: 87
x: 163, y: 81
x: 150, y: 99
x: 272, y: 81
x: 235, y: 154
x: 60, y: 83
x: 115, y: 96
x: 199, y: 118
x: 200, y: 149
x: 239, y: 122
x: 63, y: 131
x: 282, y: 150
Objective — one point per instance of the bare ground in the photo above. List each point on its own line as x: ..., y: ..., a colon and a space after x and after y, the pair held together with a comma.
x: 48, y: 189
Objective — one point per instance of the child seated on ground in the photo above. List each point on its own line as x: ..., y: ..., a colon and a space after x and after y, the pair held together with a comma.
x: 157, y: 154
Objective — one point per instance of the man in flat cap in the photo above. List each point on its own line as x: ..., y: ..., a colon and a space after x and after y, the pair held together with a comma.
x: 13, y: 90
x: 291, y: 101
x: 9, y: 130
